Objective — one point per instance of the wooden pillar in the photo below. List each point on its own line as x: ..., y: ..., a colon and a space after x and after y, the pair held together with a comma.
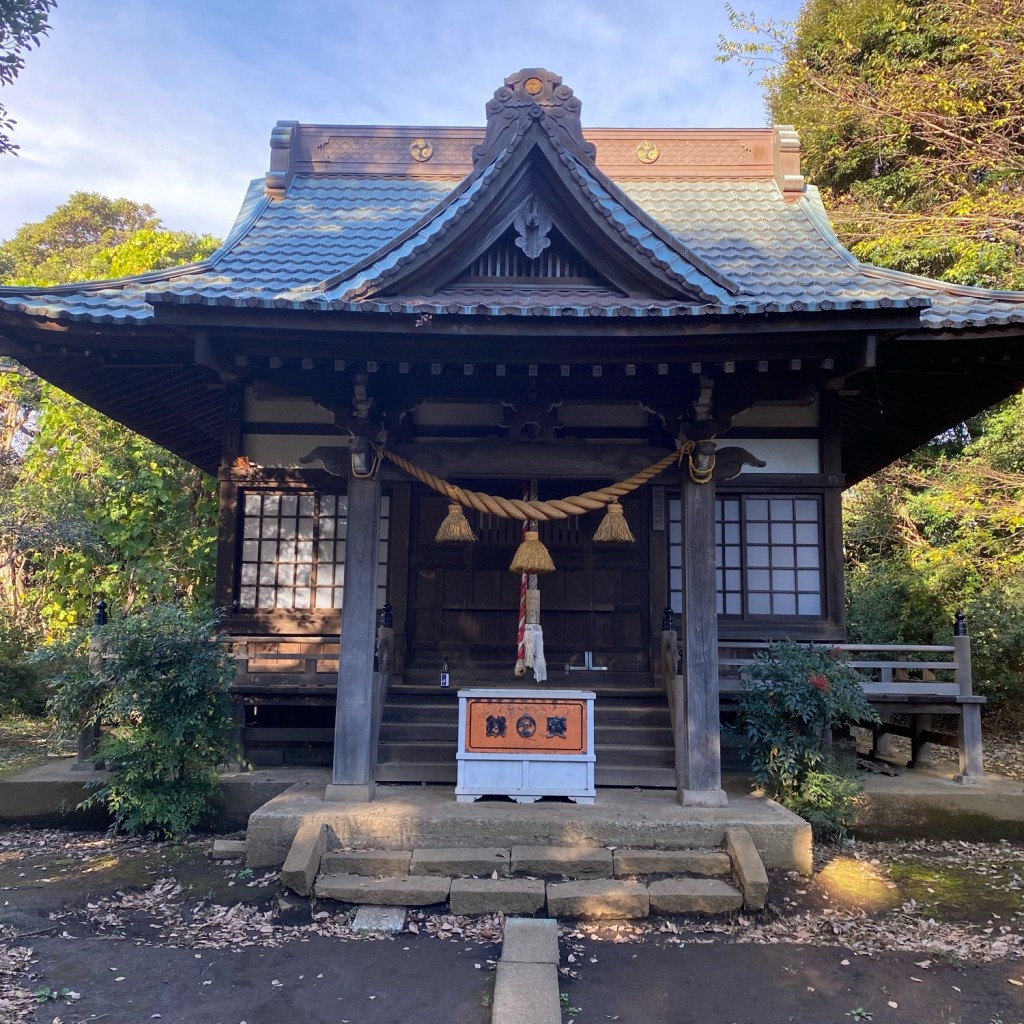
x: 355, y: 754
x: 696, y: 719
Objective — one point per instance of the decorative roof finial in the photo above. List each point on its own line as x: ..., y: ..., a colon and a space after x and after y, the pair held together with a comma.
x: 533, y: 93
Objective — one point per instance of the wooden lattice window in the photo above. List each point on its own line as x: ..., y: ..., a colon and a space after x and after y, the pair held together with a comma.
x: 768, y: 556
x: 293, y: 551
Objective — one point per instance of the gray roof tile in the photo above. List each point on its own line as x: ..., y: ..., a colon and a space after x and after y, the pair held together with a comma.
x: 779, y: 256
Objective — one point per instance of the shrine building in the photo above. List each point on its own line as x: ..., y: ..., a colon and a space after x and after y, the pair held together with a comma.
x: 418, y: 346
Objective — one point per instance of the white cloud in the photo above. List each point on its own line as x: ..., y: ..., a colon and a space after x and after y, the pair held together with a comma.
x: 173, y: 104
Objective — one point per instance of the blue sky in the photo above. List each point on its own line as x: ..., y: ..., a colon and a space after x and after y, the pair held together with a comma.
x: 171, y: 102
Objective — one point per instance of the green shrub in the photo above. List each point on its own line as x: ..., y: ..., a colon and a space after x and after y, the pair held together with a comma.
x: 21, y: 683
x: 798, y: 695
x: 160, y: 692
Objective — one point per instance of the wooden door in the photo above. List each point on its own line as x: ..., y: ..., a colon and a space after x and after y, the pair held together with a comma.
x: 464, y: 603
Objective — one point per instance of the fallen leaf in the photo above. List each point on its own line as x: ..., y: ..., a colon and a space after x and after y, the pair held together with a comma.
x: 923, y: 963
x: 1014, y: 981
x: 955, y: 989
x: 893, y: 1004
x: 912, y: 978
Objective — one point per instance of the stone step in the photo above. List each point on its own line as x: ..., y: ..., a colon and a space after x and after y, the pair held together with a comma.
x: 570, y: 861
x: 599, y: 898
x: 627, y: 863
x: 462, y: 861
x: 597, y: 882
x: 398, y: 891
x: 693, y: 896
x: 373, y: 863
x: 497, y: 895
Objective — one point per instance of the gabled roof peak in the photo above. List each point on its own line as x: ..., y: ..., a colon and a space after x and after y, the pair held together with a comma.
x: 533, y: 94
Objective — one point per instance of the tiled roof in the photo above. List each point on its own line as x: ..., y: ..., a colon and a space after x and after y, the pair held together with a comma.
x: 735, y: 241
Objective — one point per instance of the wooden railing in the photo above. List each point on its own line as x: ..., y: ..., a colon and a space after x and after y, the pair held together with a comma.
x: 891, y: 670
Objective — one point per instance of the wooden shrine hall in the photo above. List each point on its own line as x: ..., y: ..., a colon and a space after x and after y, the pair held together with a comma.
x: 423, y: 353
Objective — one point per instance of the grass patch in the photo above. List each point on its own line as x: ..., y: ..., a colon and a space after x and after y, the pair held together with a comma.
x: 958, y: 893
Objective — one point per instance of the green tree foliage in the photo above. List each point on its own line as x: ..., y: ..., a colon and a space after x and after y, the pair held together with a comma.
x: 911, y: 117
x: 159, y: 687
x: 91, y: 237
x: 940, y: 532
x: 22, y: 23
x: 87, y: 507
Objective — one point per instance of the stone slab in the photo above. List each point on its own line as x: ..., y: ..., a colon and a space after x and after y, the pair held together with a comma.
x: 227, y: 849
x: 481, y: 861
x: 415, y: 817
x: 366, y: 862
x: 670, y: 862
x: 599, y: 898
x: 496, y: 895
x: 403, y: 891
x: 389, y: 920
x: 749, y: 868
x: 694, y: 896
x: 526, y: 994
x: 302, y: 864
x: 571, y: 861
x: 530, y: 941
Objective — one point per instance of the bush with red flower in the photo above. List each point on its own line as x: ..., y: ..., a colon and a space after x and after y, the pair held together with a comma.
x: 799, y: 694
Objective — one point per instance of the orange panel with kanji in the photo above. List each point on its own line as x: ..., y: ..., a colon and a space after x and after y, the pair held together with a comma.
x: 496, y: 726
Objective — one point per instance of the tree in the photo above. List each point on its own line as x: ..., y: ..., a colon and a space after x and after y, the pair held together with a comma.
x: 22, y: 23
x: 911, y: 115
x: 91, y: 237
x: 87, y: 507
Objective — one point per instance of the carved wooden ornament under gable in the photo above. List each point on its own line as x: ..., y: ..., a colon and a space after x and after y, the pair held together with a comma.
x: 533, y: 226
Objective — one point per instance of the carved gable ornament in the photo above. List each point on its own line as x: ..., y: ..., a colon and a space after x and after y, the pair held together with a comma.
x: 533, y: 225
x: 532, y: 94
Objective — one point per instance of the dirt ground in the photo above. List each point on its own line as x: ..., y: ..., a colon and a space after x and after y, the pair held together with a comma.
x: 124, y: 931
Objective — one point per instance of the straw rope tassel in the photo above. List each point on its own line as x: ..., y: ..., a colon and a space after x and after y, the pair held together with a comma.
x: 455, y: 528
x: 614, y: 529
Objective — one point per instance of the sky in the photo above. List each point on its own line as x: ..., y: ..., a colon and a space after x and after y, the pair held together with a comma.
x: 171, y: 102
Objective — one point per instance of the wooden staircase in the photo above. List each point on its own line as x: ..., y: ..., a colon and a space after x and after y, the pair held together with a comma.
x: 632, y: 735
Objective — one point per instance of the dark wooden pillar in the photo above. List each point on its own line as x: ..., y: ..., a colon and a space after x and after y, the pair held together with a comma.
x: 355, y: 755
x: 696, y: 719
